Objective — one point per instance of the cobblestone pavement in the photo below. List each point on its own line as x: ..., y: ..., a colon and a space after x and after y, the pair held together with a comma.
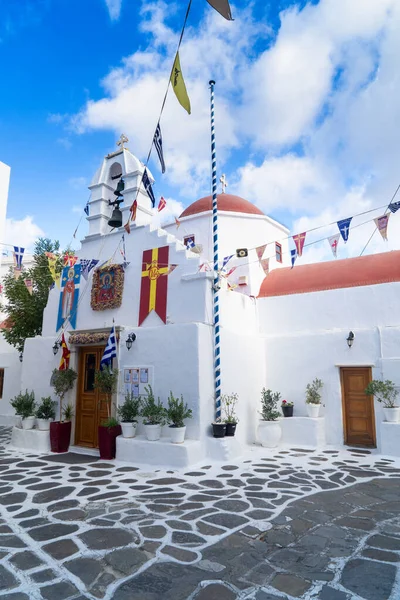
x: 274, y: 525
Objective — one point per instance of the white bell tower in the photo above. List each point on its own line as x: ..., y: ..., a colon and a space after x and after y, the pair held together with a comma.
x: 115, y: 165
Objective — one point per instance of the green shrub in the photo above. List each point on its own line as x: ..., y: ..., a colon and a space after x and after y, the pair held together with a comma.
x: 313, y: 395
x: 46, y: 409
x: 269, y: 403
x: 63, y: 382
x: 152, y: 412
x: 177, y: 411
x: 106, y: 381
x: 24, y: 404
x: 130, y: 409
x: 229, y: 402
x: 383, y: 391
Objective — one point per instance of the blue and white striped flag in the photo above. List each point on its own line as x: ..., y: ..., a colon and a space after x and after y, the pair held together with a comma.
x: 394, y: 206
x: 190, y: 244
x: 157, y: 140
x: 110, y: 350
x: 18, y: 254
x: 147, y: 187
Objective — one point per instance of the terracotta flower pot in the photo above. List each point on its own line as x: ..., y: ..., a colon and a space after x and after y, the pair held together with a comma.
x: 107, y: 443
x: 60, y: 435
x: 230, y: 429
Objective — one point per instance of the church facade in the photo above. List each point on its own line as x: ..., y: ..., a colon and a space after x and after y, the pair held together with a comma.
x: 280, y: 327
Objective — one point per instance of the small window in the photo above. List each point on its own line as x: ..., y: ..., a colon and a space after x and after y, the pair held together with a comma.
x: 1, y: 382
x: 278, y: 252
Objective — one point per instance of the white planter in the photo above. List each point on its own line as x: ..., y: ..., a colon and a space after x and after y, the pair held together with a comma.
x: 392, y: 415
x: 43, y: 424
x: 177, y: 434
x: 269, y: 433
x: 313, y: 410
x: 28, y: 423
x: 153, y: 432
x: 129, y: 429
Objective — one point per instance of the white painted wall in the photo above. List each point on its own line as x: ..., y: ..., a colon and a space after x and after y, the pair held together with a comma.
x: 9, y: 361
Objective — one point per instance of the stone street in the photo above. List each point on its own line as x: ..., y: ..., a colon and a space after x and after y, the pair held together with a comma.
x: 272, y: 525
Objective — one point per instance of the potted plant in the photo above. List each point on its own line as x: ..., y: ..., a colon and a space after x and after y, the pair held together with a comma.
x: 269, y: 430
x: 287, y: 408
x: 229, y: 402
x: 45, y: 412
x: 105, y: 381
x: 127, y: 414
x: 385, y: 392
x: 177, y: 412
x: 60, y: 431
x: 313, y: 397
x: 154, y: 415
x: 24, y: 406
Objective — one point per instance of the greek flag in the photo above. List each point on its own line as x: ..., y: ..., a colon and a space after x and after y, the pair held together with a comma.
x: 157, y: 140
x: 148, y: 188
x: 18, y: 254
x: 394, y: 206
x: 110, y: 350
x: 190, y: 244
x: 293, y: 256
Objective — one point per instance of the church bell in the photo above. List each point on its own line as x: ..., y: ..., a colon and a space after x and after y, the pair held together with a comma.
x: 120, y: 187
x: 116, y: 218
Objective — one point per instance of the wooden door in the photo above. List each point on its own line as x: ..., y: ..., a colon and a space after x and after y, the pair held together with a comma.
x: 358, y: 408
x: 90, y: 406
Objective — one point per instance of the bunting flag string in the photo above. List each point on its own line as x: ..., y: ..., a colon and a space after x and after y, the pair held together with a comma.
x: 162, y: 204
x: 299, y: 240
x: 333, y: 243
x: 260, y: 251
x: 178, y: 84
x: 344, y: 228
x: 293, y: 256
x: 382, y: 225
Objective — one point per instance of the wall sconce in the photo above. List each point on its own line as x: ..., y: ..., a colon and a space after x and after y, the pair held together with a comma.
x: 350, y: 339
x: 21, y: 356
x: 56, y: 346
x: 130, y: 339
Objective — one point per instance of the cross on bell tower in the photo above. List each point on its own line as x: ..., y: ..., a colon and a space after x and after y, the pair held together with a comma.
x: 224, y: 182
x: 122, y: 140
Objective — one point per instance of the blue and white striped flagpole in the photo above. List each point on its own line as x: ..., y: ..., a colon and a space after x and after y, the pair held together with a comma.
x: 216, y: 284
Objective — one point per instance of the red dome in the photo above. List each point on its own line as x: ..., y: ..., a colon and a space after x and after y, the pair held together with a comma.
x: 332, y: 275
x: 226, y: 202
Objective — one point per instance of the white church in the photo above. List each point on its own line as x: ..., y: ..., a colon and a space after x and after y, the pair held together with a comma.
x: 279, y: 330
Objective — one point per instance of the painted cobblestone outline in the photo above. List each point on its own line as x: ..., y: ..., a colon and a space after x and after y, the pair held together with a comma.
x: 109, y: 530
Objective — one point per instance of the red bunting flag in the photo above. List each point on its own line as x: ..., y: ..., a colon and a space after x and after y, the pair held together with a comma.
x: 170, y: 269
x: 265, y: 265
x: 154, y: 288
x: 134, y: 210
x: 299, y: 240
x: 382, y: 225
x: 64, y: 362
x: 127, y: 227
x: 162, y: 204
x: 260, y: 251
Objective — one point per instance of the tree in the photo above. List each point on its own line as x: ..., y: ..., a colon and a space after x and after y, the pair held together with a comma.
x: 25, y: 311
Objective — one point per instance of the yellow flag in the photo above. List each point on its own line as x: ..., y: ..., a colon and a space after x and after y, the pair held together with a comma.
x: 178, y: 84
x: 52, y: 266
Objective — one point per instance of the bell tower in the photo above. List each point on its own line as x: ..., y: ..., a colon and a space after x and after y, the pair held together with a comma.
x: 114, y: 187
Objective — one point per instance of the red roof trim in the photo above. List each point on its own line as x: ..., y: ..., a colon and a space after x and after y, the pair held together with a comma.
x: 226, y: 203
x: 331, y: 275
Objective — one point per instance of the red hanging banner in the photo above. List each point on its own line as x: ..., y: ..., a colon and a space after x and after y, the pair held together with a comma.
x: 154, y: 288
x: 299, y: 240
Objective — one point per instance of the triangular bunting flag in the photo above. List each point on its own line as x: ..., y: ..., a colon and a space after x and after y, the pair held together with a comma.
x: 260, y: 251
x: 86, y: 266
x: 382, y: 225
x: 170, y: 269
x: 265, y: 265
x: 344, y: 228
x: 162, y: 204
x: 333, y: 242
x: 127, y: 228
x: 177, y: 223
x: 293, y: 256
x: 222, y: 6
x: 133, y: 210
x: 299, y: 240
x: 394, y: 206
x: 29, y: 285
x: 230, y: 271
x: 178, y: 84
x: 226, y: 260
x: 86, y: 209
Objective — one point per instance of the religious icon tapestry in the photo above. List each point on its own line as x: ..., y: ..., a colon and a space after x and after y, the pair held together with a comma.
x: 107, y: 287
x: 69, y: 294
x: 154, y: 288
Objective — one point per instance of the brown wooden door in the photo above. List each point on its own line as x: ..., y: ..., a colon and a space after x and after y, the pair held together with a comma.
x: 90, y: 406
x: 358, y: 408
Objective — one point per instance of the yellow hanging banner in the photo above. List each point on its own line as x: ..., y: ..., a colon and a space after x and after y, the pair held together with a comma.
x: 178, y: 84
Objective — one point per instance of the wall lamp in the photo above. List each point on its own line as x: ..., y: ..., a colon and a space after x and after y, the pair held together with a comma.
x: 56, y: 346
x: 130, y: 339
x: 350, y: 339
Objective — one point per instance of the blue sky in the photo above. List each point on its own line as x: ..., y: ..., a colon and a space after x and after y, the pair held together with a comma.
x: 305, y: 105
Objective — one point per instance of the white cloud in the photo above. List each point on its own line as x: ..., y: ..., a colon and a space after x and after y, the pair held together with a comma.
x: 77, y: 183
x: 114, y: 9
x: 22, y: 232
x: 65, y: 143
